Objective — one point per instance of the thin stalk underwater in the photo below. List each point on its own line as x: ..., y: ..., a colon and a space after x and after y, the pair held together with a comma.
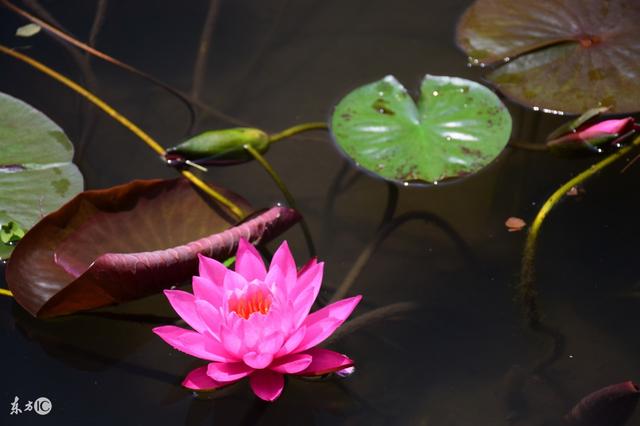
x: 527, y: 293
x: 285, y: 191
x: 233, y: 208
x: 188, y: 100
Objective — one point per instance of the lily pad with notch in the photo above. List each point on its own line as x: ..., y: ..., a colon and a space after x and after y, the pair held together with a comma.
x: 558, y: 55
x: 457, y: 128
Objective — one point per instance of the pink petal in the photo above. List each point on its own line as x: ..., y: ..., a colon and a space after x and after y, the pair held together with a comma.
x: 325, y: 361
x: 292, y: 342
x: 311, y: 278
x: 231, y: 338
x: 607, y: 127
x: 184, y: 305
x: 191, y: 343
x: 205, y: 289
x: 266, y: 384
x: 271, y: 343
x: 322, y: 323
x: 234, y: 281
x: 198, y: 380
x: 211, y: 269
x: 228, y: 371
x: 312, y: 262
x: 249, y: 264
x: 291, y: 364
x: 256, y: 360
x: 306, y: 292
x: 287, y: 266
x: 211, y: 317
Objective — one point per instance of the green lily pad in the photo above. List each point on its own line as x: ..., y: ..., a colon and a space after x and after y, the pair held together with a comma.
x: 457, y: 128
x: 36, y: 172
x: 558, y: 55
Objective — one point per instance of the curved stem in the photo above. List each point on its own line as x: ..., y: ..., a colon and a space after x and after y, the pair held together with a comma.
x: 386, y: 312
x: 184, y: 98
x: 5, y: 292
x: 287, y: 195
x: 98, y: 21
x: 382, y: 233
x: 273, y: 174
x: 527, y: 292
x: 304, y: 127
x: 203, y: 48
x: 87, y: 48
x: 124, y: 122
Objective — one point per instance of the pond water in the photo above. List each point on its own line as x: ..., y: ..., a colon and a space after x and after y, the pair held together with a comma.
x: 464, y: 356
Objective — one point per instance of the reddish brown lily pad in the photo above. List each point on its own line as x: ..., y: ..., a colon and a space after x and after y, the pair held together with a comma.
x: 559, y: 55
x: 122, y: 243
x: 610, y: 406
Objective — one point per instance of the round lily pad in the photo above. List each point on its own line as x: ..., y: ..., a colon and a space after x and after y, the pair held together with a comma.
x: 558, y: 55
x: 457, y: 128
x: 36, y: 172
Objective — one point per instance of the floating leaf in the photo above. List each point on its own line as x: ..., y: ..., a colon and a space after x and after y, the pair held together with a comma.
x: 457, y: 128
x: 36, y: 173
x: 28, y: 30
x: 610, y: 406
x: 564, y: 55
x: 11, y: 233
x: 129, y: 241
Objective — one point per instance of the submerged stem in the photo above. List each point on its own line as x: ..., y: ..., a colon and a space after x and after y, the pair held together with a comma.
x: 304, y: 127
x: 285, y: 191
x: 183, y: 97
x: 124, y: 122
x: 527, y: 292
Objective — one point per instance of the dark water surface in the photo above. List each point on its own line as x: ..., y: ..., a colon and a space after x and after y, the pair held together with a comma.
x: 464, y: 357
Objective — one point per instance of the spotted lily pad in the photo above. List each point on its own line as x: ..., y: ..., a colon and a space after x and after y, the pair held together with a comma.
x: 36, y: 172
x: 457, y: 128
x: 558, y: 55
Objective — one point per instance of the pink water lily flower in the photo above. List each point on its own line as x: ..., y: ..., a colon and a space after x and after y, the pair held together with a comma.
x: 256, y: 323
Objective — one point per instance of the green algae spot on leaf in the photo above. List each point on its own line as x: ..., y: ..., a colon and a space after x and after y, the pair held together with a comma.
x: 36, y: 172
x: 457, y: 127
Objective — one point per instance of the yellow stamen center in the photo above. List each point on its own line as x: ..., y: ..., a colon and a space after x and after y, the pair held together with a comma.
x: 251, y: 302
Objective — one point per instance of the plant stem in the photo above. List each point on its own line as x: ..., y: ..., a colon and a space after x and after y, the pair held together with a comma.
x: 124, y: 122
x: 6, y: 292
x: 527, y: 292
x: 381, y: 235
x: 183, y: 97
x: 304, y: 127
x: 287, y: 195
x: 56, y: 32
x: 203, y: 48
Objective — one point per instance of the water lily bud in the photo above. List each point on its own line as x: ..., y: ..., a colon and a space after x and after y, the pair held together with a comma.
x: 220, y: 147
x: 590, y: 137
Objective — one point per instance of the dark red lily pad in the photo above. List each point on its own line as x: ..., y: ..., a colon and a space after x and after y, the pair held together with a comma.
x: 558, y: 55
x: 122, y: 243
x: 610, y: 406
